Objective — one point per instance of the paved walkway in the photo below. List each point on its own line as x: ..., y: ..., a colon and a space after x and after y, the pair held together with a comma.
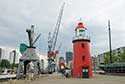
x: 59, y: 79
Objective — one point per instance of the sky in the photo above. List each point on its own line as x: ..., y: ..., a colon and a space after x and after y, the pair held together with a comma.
x: 17, y: 15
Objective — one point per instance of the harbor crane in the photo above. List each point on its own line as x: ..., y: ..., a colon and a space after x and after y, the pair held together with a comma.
x: 52, y: 40
x: 29, y: 56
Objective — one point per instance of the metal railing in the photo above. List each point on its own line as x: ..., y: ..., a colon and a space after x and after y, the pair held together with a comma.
x: 81, y: 37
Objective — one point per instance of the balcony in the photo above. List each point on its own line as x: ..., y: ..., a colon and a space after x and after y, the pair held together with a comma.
x: 81, y: 38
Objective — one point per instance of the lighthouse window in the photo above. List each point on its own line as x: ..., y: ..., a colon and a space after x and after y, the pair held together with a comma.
x: 83, y: 45
x: 81, y: 32
x: 83, y: 58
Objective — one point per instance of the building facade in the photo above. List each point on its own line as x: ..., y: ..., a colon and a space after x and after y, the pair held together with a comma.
x: 69, y: 56
x: 6, y: 53
x: 100, y: 58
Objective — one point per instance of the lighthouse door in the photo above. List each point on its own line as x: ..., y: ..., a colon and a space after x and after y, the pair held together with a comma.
x: 85, y: 72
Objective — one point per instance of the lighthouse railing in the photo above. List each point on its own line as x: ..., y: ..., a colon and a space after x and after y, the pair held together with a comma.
x: 81, y: 37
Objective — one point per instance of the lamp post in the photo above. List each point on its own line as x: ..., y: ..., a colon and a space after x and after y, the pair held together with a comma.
x: 110, y: 45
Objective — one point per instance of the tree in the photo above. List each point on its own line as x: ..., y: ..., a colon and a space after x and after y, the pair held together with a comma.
x: 4, y: 63
x: 107, y: 58
x: 14, y: 65
x: 122, y: 58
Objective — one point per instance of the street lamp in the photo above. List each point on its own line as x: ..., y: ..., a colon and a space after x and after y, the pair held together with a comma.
x: 110, y: 45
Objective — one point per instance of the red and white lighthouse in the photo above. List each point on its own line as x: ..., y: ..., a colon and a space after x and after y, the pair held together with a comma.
x: 82, y: 67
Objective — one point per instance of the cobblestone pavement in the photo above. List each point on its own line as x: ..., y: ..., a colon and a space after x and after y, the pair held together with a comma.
x: 60, y: 79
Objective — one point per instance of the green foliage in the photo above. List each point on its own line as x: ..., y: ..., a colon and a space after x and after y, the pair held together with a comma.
x: 14, y: 65
x: 114, y: 58
x: 107, y: 60
x: 4, y: 63
x: 122, y: 58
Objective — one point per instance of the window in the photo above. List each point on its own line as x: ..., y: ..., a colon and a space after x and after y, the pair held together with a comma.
x: 81, y: 32
x: 82, y: 45
x: 83, y: 58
